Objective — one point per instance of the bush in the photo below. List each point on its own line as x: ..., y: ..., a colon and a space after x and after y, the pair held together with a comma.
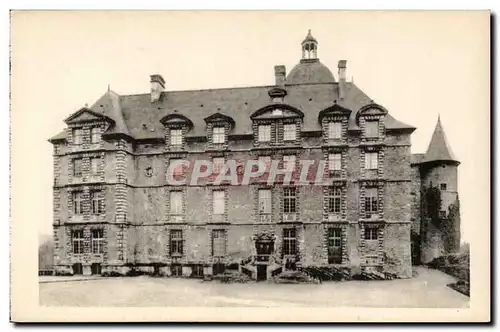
x: 230, y: 277
x: 295, y: 277
x: 456, y: 265
x: 111, y: 274
x: 461, y: 287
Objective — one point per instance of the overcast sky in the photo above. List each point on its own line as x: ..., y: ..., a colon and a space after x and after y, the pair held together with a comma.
x: 417, y: 65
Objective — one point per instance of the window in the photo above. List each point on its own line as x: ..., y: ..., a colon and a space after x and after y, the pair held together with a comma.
x: 97, y: 241
x: 218, y: 242
x: 77, y: 239
x: 371, y: 128
x: 334, y: 200
x: 266, y: 162
x: 371, y: 233
x: 78, y: 202
x: 334, y: 246
x: 77, y: 136
x: 178, y: 170
x: 443, y: 186
x: 264, y: 133
x: 218, y: 202
x: 197, y: 271
x: 334, y: 130
x: 290, y: 132
x: 371, y: 200
x: 442, y: 214
x: 77, y: 167
x: 371, y: 160
x: 94, y: 165
x: 219, y: 135
x: 265, y: 201
x: 289, y: 200
x: 176, y: 203
x: 217, y: 164
x: 176, y: 137
x: 95, y: 135
x: 176, y: 270
x: 176, y: 248
x: 97, y: 201
x: 289, y: 162
x: 335, y: 162
x: 289, y: 241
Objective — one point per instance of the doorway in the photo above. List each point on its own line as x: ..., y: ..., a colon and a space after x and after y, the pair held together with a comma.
x: 77, y: 268
x: 218, y: 268
x: 261, y: 272
x: 95, y: 268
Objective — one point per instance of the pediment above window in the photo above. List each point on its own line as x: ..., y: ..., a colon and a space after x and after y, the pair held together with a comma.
x: 84, y: 115
x: 176, y: 120
x: 334, y: 111
x: 277, y: 111
x: 371, y: 110
x: 277, y: 93
x: 220, y: 118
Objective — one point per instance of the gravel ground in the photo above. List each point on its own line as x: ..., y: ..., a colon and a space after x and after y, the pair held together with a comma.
x: 428, y: 290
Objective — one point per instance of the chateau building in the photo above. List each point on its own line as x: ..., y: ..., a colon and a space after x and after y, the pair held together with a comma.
x: 115, y: 209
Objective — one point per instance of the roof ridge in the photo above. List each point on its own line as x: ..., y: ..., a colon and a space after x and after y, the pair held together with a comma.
x: 230, y: 88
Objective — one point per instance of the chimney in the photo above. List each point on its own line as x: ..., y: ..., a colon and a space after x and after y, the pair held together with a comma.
x: 342, y: 86
x: 280, y: 75
x: 157, y: 87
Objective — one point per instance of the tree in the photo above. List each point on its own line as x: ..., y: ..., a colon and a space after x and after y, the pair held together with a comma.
x: 453, y: 227
x: 431, y: 199
x: 46, y: 255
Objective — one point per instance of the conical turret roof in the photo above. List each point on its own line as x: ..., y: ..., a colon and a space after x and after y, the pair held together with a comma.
x: 439, y: 149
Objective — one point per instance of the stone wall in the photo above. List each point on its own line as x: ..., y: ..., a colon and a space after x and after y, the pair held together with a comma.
x: 138, y: 224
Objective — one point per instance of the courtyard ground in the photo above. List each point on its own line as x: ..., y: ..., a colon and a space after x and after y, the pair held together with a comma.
x: 427, y: 290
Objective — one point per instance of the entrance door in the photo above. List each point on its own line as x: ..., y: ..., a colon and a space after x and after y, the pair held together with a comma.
x: 77, y: 268
x: 95, y: 268
x: 261, y: 272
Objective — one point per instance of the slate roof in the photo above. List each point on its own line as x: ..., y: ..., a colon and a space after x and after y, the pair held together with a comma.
x: 137, y: 117
x: 439, y: 148
x: 307, y: 71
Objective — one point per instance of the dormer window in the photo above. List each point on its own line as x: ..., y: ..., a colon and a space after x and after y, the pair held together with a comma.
x: 334, y: 129
x: 264, y: 133
x: 290, y: 132
x: 277, y: 124
x: 176, y: 127
x: 372, y: 128
x: 333, y: 122
x: 176, y: 137
x: 218, y: 128
x: 219, y: 135
x: 77, y: 136
x: 95, y: 135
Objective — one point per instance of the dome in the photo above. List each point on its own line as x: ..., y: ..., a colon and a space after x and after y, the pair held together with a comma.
x: 310, y: 71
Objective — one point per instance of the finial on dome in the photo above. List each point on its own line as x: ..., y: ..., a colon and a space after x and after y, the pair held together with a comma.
x: 109, y: 87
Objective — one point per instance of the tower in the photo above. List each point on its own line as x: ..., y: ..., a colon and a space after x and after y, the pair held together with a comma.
x: 309, y: 47
x: 440, y: 228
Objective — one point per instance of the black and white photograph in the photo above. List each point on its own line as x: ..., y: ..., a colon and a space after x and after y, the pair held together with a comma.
x: 250, y: 165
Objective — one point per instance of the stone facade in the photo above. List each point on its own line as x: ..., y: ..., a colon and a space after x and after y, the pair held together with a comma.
x: 113, y: 215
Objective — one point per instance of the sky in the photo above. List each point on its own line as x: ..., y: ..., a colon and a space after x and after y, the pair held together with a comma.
x: 417, y: 65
